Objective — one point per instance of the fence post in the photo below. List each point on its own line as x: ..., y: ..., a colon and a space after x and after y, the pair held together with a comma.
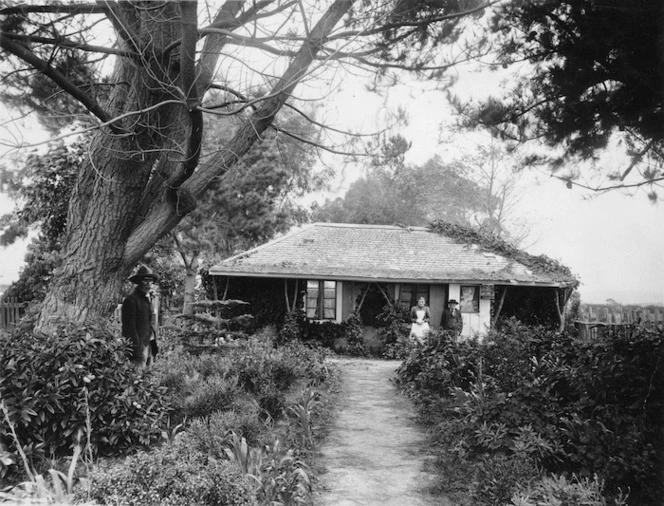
x: 10, y: 311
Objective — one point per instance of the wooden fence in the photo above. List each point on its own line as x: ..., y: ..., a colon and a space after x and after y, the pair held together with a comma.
x: 596, y: 320
x: 11, y: 311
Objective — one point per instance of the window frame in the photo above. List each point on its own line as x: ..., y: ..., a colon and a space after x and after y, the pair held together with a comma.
x: 416, y: 291
x: 319, y: 308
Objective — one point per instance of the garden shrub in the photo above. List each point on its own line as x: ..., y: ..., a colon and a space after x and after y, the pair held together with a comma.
x: 558, y: 490
x: 575, y: 407
x: 51, y: 383
x: 394, y: 329
x: 294, y: 327
x: 212, y: 394
x: 353, y: 332
x: 312, y: 358
x: 324, y: 333
x: 175, y: 474
x: 497, y: 477
x: 439, y: 365
x: 210, y: 434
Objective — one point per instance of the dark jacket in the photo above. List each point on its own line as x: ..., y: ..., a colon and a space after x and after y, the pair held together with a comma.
x: 137, y: 321
x: 451, y: 320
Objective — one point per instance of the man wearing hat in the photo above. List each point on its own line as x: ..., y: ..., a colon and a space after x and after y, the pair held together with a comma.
x: 137, y: 318
x: 452, y: 319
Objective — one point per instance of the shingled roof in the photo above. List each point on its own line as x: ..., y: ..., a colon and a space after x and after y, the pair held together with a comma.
x: 381, y: 253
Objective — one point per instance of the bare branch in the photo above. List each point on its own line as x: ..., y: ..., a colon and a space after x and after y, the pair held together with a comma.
x: 212, y: 47
x: 29, y: 57
x: 62, y: 42
x: 59, y: 8
x: 420, y: 23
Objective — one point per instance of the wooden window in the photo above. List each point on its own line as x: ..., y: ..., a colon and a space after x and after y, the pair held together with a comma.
x: 409, y: 294
x: 322, y: 300
x: 470, y: 299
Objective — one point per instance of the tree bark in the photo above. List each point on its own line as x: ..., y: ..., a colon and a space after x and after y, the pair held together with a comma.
x: 109, y: 187
x: 191, y: 271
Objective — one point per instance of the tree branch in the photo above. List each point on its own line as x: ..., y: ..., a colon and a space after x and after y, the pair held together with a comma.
x: 58, y: 78
x: 190, y: 91
x: 62, y: 42
x: 420, y: 23
x: 61, y: 8
x: 163, y: 218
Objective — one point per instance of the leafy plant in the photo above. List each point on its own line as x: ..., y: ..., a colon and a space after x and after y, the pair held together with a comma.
x: 279, y: 478
x: 569, y: 406
x: 353, y: 333
x: 497, y: 477
x: 294, y: 327
x: 557, y: 490
x: 393, y: 330
x: 284, y: 479
x: 175, y: 474
x: 55, y: 487
x: 48, y: 382
x: 303, y: 412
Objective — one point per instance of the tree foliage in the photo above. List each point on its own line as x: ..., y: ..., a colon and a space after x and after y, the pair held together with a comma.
x: 596, y: 77
x: 42, y: 187
x: 476, y: 190
x: 394, y: 192
x: 257, y: 199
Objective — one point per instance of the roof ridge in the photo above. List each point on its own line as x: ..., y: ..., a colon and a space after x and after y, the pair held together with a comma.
x: 369, y: 225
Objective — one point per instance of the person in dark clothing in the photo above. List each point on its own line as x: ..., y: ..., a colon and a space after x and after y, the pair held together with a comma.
x: 452, y: 319
x: 137, y: 324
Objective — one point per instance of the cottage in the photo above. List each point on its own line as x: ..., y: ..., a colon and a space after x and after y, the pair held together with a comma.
x: 332, y: 269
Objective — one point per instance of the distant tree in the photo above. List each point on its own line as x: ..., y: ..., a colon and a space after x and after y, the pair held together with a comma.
x: 394, y: 192
x: 596, y: 77
x: 497, y: 172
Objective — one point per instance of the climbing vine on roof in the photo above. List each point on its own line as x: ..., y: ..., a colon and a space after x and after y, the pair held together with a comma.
x: 540, y: 263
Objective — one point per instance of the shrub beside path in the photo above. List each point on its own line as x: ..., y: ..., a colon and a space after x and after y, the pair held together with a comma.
x: 375, y: 453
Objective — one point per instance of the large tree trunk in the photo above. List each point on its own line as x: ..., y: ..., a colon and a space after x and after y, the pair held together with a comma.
x: 109, y: 190
x: 125, y: 200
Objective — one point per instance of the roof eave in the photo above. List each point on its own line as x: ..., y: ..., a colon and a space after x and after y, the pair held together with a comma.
x: 474, y: 281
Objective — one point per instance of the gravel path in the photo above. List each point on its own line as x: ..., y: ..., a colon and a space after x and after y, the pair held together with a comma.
x: 374, y: 453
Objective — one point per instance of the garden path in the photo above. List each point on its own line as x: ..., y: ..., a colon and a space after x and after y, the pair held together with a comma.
x: 375, y: 453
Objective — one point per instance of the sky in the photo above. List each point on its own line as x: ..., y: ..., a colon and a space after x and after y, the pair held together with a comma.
x: 611, y: 241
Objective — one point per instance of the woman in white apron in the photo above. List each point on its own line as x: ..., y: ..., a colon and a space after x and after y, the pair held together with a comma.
x: 420, y: 316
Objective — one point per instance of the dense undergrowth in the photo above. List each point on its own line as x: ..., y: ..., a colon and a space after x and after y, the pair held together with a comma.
x: 535, y: 417
x: 79, y: 423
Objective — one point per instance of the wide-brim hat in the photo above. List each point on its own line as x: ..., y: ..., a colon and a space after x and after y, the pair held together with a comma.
x: 143, y: 272
x: 452, y: 301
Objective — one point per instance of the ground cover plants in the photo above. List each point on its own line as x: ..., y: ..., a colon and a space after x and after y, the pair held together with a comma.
x: 234, y: 427
x: 539, y: 417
